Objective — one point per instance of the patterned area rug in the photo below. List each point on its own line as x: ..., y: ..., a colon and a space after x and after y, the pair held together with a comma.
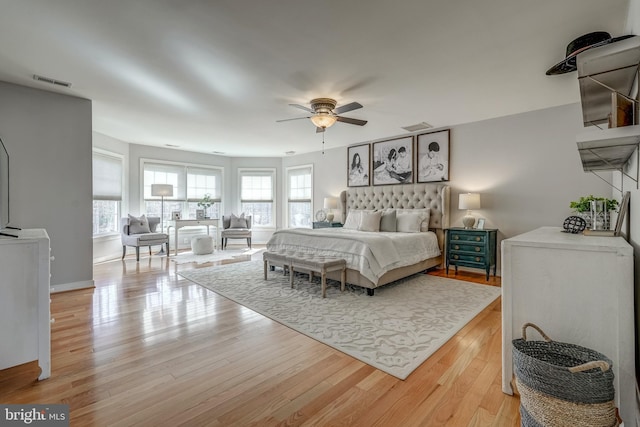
x: 395, y: 330
x: 217, y: 255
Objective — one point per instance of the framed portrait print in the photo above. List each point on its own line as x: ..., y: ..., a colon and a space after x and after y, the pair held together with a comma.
x: 480, y: 225
x: 175, y: 215
x: 358, y: 165
x: 433, y: 156
x: 199, y: 213
x: 393, y: 161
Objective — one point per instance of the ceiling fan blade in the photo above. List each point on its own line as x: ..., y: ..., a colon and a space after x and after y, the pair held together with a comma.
x: 302, y: 107
x: 320, y: 130
x: 348, y: 107
x: 351, y: 121
x: 296, y: 118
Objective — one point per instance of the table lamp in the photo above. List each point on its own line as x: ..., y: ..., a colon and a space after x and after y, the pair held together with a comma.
x: 469, y: 201
x: 330, y: 203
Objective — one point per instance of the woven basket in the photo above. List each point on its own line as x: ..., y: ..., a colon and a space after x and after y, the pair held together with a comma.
x: 563, y: 384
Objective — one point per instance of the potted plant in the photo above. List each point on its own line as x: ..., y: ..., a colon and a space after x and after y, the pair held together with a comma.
x: 582, y: 206
x: 206, y: 203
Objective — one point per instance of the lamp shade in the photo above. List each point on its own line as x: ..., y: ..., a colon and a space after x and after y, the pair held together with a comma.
x: 323, y: 120
x: 162, y: 190
x: 469, y: 201
x: 330, y: 203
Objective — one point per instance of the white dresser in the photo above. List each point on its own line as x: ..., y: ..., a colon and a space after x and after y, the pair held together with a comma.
x: 579, y: 290
x: 25, y: 334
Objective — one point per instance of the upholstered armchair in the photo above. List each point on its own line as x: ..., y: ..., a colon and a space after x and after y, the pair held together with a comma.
x: 234, y: 227
x: 141, y: 231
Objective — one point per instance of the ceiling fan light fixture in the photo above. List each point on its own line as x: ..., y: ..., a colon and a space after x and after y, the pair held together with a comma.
x: 323, y: 120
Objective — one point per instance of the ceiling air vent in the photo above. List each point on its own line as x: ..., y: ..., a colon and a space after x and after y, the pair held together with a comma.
x: 418, y: 127
x: 51, y: 81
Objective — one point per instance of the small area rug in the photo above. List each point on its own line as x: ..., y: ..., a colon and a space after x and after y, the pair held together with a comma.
x: 395, y: 330
x: 217, y: 255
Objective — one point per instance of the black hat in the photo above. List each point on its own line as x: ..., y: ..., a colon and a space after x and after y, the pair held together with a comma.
x: 582, y: 43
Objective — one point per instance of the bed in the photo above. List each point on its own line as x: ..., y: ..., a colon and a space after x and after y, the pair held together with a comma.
x: 376, y: 258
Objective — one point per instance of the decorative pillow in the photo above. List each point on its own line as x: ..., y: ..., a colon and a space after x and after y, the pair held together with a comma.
x: 388, y: 220
x: 408, y: 222
x: 353, y: 220
x: 138, y: 225
x: 370, y: 221
x: 425, y: 214
x: 238, y: 222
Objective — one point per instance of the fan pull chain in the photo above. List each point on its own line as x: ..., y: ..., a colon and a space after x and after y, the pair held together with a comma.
x: 323, y: 143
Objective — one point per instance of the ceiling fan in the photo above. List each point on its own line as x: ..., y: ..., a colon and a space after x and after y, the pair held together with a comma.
x: 324, y: 113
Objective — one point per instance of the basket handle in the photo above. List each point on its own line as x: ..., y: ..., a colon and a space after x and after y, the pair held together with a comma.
x: 537, y: 328
x: 604, y: 366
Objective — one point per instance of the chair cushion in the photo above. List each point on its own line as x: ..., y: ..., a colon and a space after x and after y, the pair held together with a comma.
x: 238, y: 222
x: 138, y: 225
x: 152, y: 236
x: 236, y: 232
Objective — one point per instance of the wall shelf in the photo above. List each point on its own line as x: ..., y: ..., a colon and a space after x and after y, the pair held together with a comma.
x: 603, y: 70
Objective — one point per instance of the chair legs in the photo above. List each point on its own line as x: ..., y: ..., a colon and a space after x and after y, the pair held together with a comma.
x: 124, y: 251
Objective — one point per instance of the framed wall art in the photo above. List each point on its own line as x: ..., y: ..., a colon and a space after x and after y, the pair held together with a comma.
x: 393, y: 161
x: 433, y: 156
x: 358, y: 165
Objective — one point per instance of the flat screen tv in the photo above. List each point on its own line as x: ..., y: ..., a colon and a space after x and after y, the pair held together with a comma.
x: 4, y: 186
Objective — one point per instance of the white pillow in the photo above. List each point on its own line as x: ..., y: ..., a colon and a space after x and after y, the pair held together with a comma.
x: 408, y: 222
x: 424, y: 213
x: 353, y: 220
x: 138, y: 225
x: 370, y: 221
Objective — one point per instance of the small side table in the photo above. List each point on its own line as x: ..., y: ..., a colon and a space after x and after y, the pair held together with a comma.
x: 470, y: 247
x: 326, y: 224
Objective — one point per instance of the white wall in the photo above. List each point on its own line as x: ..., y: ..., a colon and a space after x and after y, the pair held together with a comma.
x: 526, y: 168
x: 48, y: 137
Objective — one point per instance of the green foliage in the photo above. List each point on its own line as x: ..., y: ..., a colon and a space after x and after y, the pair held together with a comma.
x: 206, y: 201
x: 584, y: 203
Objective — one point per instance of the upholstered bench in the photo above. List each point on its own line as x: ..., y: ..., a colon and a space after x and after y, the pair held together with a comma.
x: 202, y: 245
x: 272, y: 259
x: 317, y: 264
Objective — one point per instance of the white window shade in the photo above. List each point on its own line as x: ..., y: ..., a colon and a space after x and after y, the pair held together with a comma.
x: 175, y: 175
x: 300, y: 188
x: 107, y: 177
x: 256, y: 187
x: 201, y: 181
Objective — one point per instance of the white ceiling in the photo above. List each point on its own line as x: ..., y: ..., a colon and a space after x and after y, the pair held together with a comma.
x: 215, y: 75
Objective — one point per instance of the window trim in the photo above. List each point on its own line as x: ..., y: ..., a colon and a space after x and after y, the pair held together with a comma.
x: 185, y: 165
x: 123, y: 186
x: 286, y: 191
x: 260, y: 172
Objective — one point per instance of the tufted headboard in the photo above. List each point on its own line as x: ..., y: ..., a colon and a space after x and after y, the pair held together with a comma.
x: 434, y: 196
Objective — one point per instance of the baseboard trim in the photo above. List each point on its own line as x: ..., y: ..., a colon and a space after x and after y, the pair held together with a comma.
x: 65, y: 287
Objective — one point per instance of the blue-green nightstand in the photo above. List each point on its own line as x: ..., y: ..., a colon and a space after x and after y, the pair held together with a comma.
x: 470, y: 247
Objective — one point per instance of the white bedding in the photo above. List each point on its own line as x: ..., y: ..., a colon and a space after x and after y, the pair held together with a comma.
x: 371, y: 253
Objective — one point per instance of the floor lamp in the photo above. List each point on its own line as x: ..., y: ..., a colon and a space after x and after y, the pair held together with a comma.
x: 162, y: 190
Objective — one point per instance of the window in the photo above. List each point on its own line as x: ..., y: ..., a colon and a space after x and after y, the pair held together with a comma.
x: 107, y: 192
x: 299, y: 195
x: 257, y: 194
x: 190, y: 184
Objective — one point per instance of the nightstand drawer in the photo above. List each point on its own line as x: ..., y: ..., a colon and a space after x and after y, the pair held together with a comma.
x: 461, y: 247
x: 464, y: 237
x: 468, y: 258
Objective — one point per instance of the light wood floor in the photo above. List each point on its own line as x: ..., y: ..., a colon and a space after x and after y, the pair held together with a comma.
x: 146, y: 347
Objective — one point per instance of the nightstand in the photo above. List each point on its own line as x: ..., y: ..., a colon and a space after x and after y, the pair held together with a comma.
x: 326, y: 224
x: 470, y: 247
